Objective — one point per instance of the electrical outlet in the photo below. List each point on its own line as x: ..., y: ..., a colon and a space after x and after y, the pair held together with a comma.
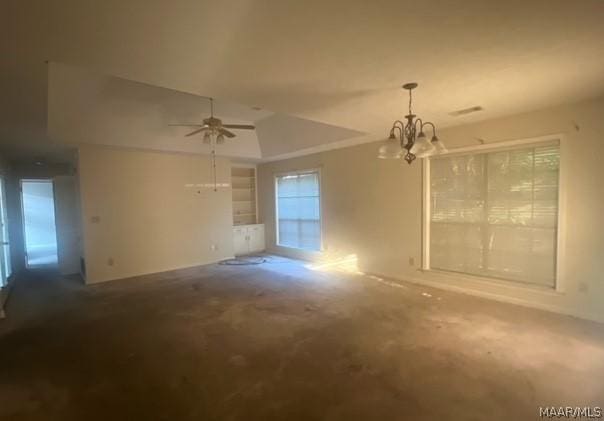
x: 411, y: 261
x: 110, y: 261
x: 213, y: 247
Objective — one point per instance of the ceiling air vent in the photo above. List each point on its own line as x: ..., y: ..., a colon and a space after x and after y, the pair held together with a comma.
x: 466, y: 111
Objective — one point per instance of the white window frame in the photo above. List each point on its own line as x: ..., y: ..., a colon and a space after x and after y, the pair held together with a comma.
x: 276, y: 190
x: 559, y: 273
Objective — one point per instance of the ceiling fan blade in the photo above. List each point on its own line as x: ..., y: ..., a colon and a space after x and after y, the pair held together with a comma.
x: 186, y: 125
x: 196, y: 131
x: 226, y: 132
x: 239, y: 126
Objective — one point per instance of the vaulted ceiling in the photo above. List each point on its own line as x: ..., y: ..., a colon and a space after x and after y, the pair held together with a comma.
x: 340, y: 63
x: 89, y: 108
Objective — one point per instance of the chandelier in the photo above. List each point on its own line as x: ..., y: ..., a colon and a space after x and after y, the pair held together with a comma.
x: 408, y: 140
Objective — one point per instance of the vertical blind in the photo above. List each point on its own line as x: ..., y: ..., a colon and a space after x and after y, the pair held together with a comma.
x: 299, y: 210
x: 495, y: 214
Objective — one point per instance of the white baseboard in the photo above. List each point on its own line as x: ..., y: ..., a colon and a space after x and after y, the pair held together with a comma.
x: 135, y: 275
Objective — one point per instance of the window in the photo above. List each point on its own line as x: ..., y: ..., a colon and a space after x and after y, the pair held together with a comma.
x: 299, y: 210
x: 495, y: 213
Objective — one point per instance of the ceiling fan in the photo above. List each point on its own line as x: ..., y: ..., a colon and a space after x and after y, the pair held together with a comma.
x: 213, y: 127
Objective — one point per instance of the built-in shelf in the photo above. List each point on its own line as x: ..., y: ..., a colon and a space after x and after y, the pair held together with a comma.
x: 243, y: 183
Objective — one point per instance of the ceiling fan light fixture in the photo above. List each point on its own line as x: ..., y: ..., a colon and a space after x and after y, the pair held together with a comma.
x: 213, y: 126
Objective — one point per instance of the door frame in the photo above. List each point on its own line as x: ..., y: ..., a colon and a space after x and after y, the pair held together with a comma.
x: 6, y: 263
x: 34, y: 179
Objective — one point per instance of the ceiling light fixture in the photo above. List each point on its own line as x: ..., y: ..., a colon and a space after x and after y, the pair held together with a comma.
x: 408, y: 140
x: 214, y: 133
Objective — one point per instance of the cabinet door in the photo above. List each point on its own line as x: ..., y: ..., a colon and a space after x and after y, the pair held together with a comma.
x: 256, y: 236
x: 240, y: 241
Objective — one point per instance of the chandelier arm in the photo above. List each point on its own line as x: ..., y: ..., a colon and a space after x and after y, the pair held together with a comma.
x: 428, y: 123
x: 400, y: 130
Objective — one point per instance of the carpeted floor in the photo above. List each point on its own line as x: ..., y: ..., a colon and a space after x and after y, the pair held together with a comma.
x: 280, y: 341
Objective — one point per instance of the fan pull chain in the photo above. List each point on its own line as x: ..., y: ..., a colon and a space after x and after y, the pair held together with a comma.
x: 214, y: 167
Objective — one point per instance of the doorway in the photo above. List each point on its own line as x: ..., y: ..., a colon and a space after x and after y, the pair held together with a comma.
x: 5, y: 264
x: 39, y: 229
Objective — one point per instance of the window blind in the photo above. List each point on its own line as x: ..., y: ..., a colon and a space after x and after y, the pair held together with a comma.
x: 495, y: 214
x: 299, y: 210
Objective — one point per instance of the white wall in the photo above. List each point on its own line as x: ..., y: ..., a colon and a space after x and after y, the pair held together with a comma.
x: 373, y: 208
x: 146, y: 212
x: 68, y: 222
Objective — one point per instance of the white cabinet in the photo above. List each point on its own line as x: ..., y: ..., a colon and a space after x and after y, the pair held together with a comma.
x: 248, y: 239
x: 240, y: 240
x: 256, y: 238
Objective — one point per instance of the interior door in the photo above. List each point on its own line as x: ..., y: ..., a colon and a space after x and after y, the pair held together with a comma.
x: 240, y: 241
x: 67, y: 221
